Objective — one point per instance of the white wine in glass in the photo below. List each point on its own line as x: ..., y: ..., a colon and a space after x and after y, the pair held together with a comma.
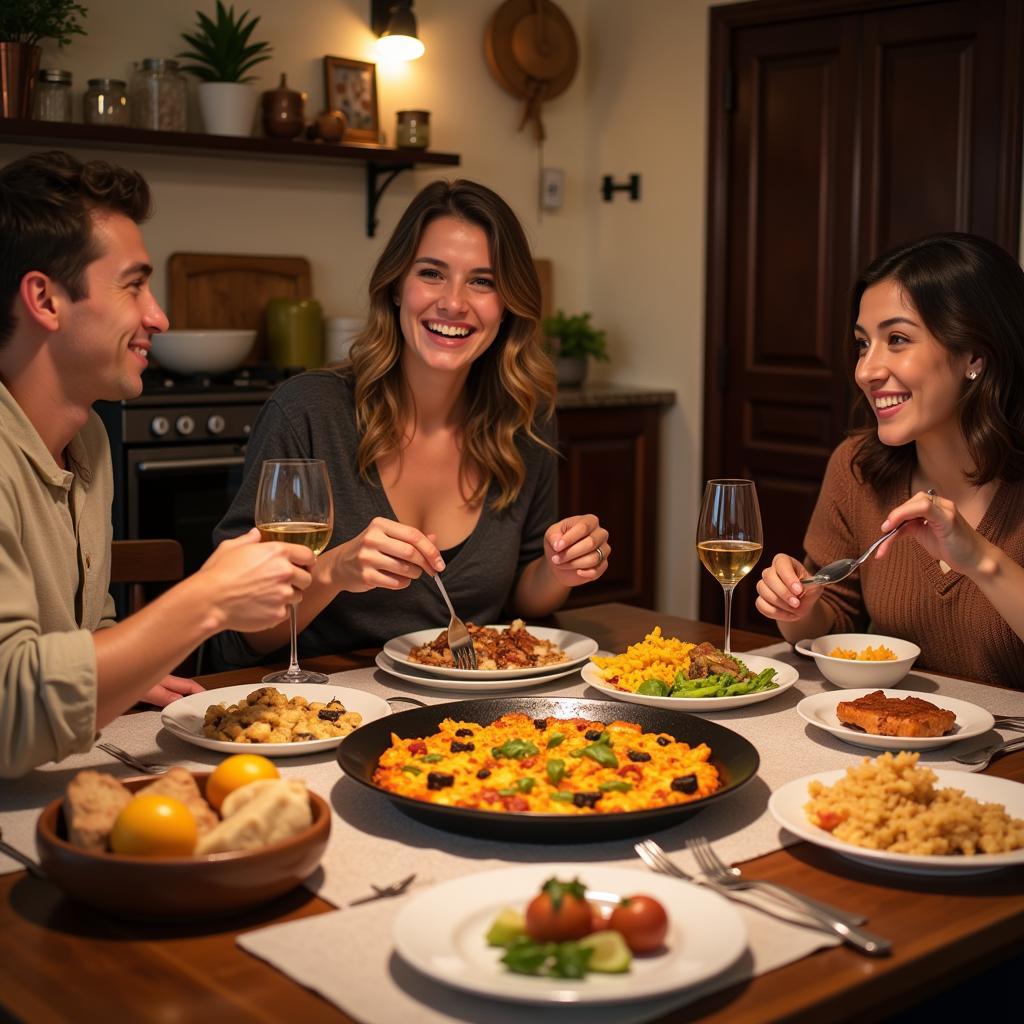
x: 729, y: 538
x: 294, y: 504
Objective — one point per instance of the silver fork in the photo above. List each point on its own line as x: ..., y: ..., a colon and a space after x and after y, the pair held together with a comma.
x: 460, y: 643
x: 979, y: 760
x: 836, y: 571
x: 381, y: 892
x: 146, y: 767
x: 782, y: 892
x: 716, y: 870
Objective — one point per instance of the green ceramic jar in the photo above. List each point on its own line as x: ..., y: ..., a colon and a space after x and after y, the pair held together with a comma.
x: 295, y: 332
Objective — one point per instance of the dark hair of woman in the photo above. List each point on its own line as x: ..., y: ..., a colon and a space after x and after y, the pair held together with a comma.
x: 508, y: 386
x: 970, y: 294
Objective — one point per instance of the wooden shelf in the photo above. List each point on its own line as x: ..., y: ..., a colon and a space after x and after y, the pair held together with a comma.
x: 382, y: 163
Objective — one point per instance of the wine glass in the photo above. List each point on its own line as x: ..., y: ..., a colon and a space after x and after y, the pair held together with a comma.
x: 729, y: 537
x: 294, y: 504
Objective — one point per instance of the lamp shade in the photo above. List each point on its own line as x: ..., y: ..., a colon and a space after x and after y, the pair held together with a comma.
x: 399, y: 39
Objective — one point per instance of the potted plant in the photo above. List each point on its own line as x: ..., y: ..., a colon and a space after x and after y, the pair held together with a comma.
x: 23, y: 23
x: 570, y: 340
x: 220, y: 56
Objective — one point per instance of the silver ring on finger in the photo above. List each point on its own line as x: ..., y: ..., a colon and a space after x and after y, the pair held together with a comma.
x: 600, y: 555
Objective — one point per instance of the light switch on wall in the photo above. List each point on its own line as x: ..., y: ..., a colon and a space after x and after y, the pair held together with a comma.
x: 552, y: 188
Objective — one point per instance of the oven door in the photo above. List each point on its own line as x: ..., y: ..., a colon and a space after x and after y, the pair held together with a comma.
x: 182, y: 492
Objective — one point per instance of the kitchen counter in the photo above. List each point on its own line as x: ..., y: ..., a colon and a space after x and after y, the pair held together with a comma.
x: 596, y: 396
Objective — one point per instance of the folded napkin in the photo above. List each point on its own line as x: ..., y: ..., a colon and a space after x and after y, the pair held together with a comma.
x: 347, y: 957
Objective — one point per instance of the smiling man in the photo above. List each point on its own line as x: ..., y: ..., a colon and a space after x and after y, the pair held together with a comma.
x: 76, y: 318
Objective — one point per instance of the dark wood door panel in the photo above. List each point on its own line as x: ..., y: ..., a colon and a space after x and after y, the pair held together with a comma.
x: 939, y: 90
x: 610, y: 469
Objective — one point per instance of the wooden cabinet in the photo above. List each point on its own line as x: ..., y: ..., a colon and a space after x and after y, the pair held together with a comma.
x: 610, y: 449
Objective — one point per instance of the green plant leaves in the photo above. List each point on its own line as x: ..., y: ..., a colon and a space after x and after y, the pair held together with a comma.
x: 29, y: 21
x: 221, y: 51
x: 575, y: 336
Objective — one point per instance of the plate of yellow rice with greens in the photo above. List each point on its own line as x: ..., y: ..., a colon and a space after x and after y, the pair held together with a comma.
x: 672, y: 673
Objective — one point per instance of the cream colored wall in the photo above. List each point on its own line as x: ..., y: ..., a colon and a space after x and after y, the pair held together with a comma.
x: 646, y: 101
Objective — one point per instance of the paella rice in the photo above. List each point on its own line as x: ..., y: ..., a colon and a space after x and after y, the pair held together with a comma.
x: 548, y: 766
x: 879, y: 653
x: 663, y: 666
x: 892, y: 804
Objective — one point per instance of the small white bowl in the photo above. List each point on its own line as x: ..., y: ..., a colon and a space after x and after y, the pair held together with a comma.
x: 850, y: 674
x: 206, y: 351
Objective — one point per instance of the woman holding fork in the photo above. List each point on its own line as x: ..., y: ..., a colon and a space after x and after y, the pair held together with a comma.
x: 938, y: 336
x: 438, y: 439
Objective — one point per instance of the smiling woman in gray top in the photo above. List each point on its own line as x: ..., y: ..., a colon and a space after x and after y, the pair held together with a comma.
x: 437, y: 438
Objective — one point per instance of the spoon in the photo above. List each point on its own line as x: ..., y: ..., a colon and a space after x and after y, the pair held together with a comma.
x: 836, y: 571
x: 22, y: 858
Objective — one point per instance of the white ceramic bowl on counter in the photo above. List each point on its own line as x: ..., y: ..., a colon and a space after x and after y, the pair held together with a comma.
x: 202, y: 351
x: 847, y: 673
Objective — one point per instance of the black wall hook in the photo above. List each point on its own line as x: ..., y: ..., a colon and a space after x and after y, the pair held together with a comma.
x: 608, y: 187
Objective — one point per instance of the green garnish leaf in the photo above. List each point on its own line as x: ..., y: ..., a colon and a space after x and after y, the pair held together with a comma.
x: 556, y: 771
x: 515, y: 749
x: 556, y: 739
x: 557, y: 891
x: 411, y: 769
x: 432, y: 758
x: 525, y: 785
x: 617, y: 787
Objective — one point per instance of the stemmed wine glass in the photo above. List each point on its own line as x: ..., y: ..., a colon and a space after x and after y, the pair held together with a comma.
x: 729, y: 537
x: 294, y: 504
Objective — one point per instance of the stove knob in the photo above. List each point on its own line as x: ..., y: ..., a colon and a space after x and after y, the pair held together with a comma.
x: 185, y: 425
x: 159, y: 426
x: 215, y: 424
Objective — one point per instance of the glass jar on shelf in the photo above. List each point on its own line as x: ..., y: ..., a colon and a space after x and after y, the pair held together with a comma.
x: 158, y: 96
x: 53, y: 95
x: 106, y: 102
x: 412, y: 130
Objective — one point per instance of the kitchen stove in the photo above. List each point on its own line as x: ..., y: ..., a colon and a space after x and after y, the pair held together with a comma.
x: 178, y: 451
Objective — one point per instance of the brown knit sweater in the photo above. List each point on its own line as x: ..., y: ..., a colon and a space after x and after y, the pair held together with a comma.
x: 906, y: 594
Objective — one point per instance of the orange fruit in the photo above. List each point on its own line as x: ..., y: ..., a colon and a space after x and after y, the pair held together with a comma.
x: 234, y: 772
x: 154, y: 826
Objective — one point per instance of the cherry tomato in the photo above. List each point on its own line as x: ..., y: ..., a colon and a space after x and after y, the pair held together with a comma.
x: 558, y: 913
x: 642, y: 921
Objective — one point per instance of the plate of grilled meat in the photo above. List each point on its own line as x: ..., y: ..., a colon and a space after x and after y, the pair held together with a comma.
x: 894, y: 719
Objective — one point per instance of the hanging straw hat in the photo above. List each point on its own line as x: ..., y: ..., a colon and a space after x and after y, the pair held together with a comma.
x: 531, y: 51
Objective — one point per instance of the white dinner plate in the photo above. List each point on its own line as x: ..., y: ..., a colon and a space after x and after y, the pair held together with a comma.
x: 577, y: 648
x: 184, y: 717
x: 820, y: 710
x: 412, y: 675
x: 787, y: 806
x: 785, y: 676
x: 441, y: 933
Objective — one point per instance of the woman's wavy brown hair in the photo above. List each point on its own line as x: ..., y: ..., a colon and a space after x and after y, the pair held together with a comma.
x: 970, y: 294
x: 510, y: 388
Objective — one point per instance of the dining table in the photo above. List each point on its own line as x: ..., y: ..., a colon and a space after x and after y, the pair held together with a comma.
x: 62, y: 961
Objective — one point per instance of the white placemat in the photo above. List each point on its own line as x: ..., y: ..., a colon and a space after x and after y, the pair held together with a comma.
x: 347, y: 958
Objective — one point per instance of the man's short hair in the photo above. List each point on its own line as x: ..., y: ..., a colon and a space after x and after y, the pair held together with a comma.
x: 46, y: 205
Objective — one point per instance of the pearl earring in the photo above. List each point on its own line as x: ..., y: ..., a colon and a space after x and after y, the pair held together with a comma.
x: 973, y: 375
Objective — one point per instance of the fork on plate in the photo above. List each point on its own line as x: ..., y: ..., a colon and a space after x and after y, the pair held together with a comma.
x: 718, y: 872
x: 460, y: 643
x: 146, y: 767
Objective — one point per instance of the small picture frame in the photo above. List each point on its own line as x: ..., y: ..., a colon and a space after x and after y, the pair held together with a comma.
x: 351, y: 87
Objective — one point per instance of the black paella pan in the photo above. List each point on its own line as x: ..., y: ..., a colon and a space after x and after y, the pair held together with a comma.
x: 735, y: 758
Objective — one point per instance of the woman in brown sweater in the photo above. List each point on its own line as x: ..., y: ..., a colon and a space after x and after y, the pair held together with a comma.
x: 938, y: 332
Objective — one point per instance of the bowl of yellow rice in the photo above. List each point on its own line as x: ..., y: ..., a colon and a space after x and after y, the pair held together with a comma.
x: 854, y: 660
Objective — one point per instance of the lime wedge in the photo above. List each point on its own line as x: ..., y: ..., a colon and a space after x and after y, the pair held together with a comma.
x: 611, y: 954
x: 506, y: 928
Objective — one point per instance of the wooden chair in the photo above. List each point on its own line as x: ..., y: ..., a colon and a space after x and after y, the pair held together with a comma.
x: 134, y: 562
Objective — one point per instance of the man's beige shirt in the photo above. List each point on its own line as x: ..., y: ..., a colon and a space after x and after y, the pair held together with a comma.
x: 55, y: 536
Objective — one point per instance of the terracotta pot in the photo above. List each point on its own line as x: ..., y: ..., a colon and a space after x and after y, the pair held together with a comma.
x: 281, y: 112
x: 19, y: 66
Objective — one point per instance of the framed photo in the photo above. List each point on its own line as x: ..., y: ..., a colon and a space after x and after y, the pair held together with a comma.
x: 351, y: 87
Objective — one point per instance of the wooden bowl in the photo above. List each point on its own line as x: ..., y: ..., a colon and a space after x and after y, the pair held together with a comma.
x: 176, y: 888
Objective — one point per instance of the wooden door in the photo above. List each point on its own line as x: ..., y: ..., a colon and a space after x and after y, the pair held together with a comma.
x: 838, y: 129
